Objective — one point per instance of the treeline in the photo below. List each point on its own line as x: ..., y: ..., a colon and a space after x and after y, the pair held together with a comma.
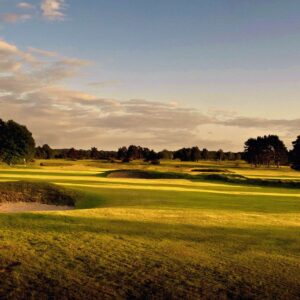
x: 195, y: 154
x: 124, y: 154
x: 18, y: 146
x: 46, y: 152
x: 134, y: 152
x: 261, y: 151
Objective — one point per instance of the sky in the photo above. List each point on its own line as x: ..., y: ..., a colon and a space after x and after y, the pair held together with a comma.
x: 161, y: 74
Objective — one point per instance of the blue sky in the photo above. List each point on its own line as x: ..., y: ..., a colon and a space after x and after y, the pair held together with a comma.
x: 226, y: 70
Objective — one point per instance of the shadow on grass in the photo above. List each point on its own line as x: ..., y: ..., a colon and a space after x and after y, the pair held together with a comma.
x: 151, y: 272
x: 158, y: 199
x: 215, y: 176
x: 279, y: 237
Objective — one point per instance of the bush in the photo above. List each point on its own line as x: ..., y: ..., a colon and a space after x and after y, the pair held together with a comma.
x: 126, y: 160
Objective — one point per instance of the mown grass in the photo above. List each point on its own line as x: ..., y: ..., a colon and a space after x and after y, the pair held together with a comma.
x: 152, y: 238
x: 40, y: 192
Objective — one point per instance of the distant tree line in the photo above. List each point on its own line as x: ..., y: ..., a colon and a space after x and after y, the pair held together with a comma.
x: 133, y: 152
x: 195, y: 154
x: 137, y: 152
x: 46, y: 152
x: 124, y: 154
x: 18, y: 146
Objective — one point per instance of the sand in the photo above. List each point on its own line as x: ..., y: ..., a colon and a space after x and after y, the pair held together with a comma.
x: 30, y: 206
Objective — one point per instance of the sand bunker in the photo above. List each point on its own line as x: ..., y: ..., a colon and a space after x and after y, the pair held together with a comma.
x: 24, y: 196
x: 30, y: 206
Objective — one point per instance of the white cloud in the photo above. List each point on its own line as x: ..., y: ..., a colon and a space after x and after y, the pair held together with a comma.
x: 25, y: 5
x: 53, y: 9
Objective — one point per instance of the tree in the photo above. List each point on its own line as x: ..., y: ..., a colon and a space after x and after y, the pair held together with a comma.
x: 295, y: 155
x: 183, y: 154
x: 220, y: 155
x: 72, y: 154
x: 205, y: 154
x: 44, y: 152
x: 238, y: 156
x: 251, y: 151
x: 165, y: 154
x: 152, y: 156
x: 48, y: 152
x: 280, y: 150
x: 134, y: 152
x: 39, y: 153
x: 195, y: 154
x: 122, y: 153
x: 145, y: 153
x: 16, y: 143
x: 265, y: 151
x: 94, y: 153
x: 230, y: 155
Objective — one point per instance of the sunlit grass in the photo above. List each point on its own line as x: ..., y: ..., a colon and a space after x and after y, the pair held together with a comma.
x: 157, y: 237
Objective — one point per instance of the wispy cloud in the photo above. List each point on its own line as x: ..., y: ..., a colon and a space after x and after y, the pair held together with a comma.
x: 42, y: 52
x: 25, y: 5
x: 291, y: 125
x: 53, y: 9
x: 14, y: 17
x: 102, y: 84
x: 32, y: 85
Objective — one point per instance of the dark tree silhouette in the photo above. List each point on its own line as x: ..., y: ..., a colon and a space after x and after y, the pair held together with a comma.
x: 195, y: 154
x: 165, y: 154
x: 16, y: 143
x: 295, y: 155
x: 48, y: 151
x: 72, y: 154
x: 265, y: 150
x: 279, y: 150
x: 184, y: 154
x: 220, y: 155
x: 133, y: 152
x: 94, y: 153
x: 122, y: 153
x: 44, y: 152
x: 205, y: 154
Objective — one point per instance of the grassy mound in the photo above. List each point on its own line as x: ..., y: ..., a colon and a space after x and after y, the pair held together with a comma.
x: 166, y: 239
x: 55, y: 164
x: 40, y: 192
x: 211, y: 170
x: 224, y: 177
x: 145, y: 174
x: 239, y: 179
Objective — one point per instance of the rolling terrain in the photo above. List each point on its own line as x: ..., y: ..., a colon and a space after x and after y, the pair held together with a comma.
x: 178, y: 235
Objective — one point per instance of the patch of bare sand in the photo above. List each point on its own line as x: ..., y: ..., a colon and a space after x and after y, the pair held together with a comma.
x: 30, y: 206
